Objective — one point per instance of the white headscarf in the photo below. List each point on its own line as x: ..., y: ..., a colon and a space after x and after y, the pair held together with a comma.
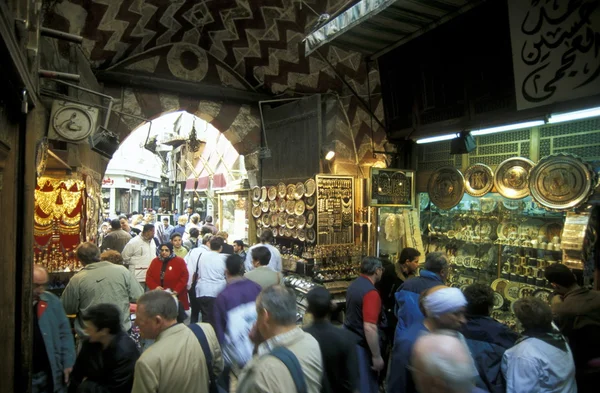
x: 443, y: 301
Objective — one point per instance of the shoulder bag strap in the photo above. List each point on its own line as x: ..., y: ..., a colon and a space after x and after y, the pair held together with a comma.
x: 205, y: 347
x: 293, y: 365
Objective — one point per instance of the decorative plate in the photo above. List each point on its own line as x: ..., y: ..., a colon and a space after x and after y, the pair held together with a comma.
x: 299, y: 208
x: 543, y: 294
x: 290, y: 221
x: 511, y: 291
x: 311, y: 235
x: 290, y: 206
x: 274, y: 219
x: 498, y: 301
x: 310, y: 219
x: 294, y: 232
x: 446, y: 187
x: 300, y: 222
x: 499, y: 284
x: 511, y: 177
x: 311, y: 201
x: 526, y: 292
x: 274, y: 230
x: 479, y: 180
x: 299, y: 191
x: 266, y: 220
x: 255, y: 211
x: 256, y: 203
x: 264, y: 206
x: 273, y: 207
x: 281, y: 219
x: 551, y: 230
x: 506, y: 229
x: 281, y: 190
x: 256, y: 193
x: 561, y: 182
x: 488, y: 205
x: 259, y: 222
x: 287, y: 232
x: 531, y: 227
x: 290, y: 190
x: 301, y: 235
x: 459, y: 261
x: 281, y: 205
x: 310, y: 187
x: 272, y: 193
x: 263, y: 193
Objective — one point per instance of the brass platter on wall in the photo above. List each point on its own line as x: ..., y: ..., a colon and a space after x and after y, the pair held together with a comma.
x: 446, y: 187
x: 479, y: 180
x: 510, y: 178
x: 561, y: 182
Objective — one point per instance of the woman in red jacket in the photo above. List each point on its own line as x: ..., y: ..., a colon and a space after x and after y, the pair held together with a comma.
x: 168, y: 271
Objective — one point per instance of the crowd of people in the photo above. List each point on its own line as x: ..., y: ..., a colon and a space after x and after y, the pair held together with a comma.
x: 220, y: 319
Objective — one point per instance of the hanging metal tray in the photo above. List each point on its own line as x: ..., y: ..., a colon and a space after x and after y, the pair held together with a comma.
x: 510, y: 178
x: 479, y: 180
x: 446, y: 187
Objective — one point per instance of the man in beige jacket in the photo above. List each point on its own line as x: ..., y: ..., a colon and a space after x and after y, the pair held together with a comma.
x: 175, y: 362
x: 262, y: 274
x: 276, y: 327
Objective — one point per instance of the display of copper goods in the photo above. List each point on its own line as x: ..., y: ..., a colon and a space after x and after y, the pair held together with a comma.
x: 446, y: 187
x: 510, y: 178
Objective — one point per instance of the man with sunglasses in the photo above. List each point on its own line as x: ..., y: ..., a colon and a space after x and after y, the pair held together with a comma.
x: 364, y: 317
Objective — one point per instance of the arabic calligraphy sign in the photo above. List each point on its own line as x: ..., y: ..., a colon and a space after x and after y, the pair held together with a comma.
x: 556, y: 50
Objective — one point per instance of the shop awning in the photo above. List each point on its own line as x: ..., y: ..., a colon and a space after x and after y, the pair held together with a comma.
x: 203, y: 183
x: 374, y: 27
x: 190, y: 185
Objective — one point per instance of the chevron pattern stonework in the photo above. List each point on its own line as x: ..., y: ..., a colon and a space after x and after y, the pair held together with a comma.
x: 254, y: 45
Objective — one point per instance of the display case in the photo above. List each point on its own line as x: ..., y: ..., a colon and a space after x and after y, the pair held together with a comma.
x: 505, y: 243
x: 234, y: 217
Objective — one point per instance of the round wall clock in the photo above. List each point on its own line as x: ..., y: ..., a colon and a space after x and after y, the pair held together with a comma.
x: 446, y: 187
x: 561, y: 181
x: 72, y: 123
x: 479, y: 180
x: 511, y: 177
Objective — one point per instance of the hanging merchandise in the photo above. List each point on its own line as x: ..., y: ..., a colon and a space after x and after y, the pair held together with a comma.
x: 479, y: 180
x: 446, y: 187
x: 510, y: 178
x: 413, y: 232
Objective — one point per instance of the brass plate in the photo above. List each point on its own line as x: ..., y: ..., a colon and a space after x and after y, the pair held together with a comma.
x: 446, y: 187
x: 511, y: 291
x: 310, y: 187
x: 310, y: 219
x: 281, y: 190
x: 266, y: 220
x: 311, y: 235
x: 300, y: 222
x: 273, y: 207
x: 290, y: 206
x: 290, y: 221
x: 256, y: 211
x: 281, y: 219
x: 281, y: 205
x: 299, y: 191
x: 256, y: 203
x: 311, y: 201
x: 510, y: 178
x: 272, y: 193
x: 498, y: 301
x: 290, y: 190
x: 301, y: 235
x: 264, y: 206
x: 294, y: 233
x: 274, y: 220
x: 263, y: 193
x: 561, y: 182
x: 299, y: 208
x: 256, y: 193
x: 259, y: 222
x: 274, y: 230
x: 479, y: 180
x: 287, y: 232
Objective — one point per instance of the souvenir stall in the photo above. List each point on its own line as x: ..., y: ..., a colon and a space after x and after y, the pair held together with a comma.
x: 65, y: 214
x: 234, y: 215
x: 503, y: 227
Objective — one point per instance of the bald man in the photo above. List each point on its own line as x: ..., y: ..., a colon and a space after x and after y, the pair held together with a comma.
x: 444, y: 309
x: 441, y: 363
x: 53, y: 344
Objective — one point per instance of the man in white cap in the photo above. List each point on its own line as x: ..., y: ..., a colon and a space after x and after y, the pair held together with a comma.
x: 444, y: 309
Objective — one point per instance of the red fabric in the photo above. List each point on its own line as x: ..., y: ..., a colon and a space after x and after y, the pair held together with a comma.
x: 190, y: 184
x: 371, y: 307
x: 176, y: 278
x: 41, y: 308
x: 202, y: 183
x: 219, y: 181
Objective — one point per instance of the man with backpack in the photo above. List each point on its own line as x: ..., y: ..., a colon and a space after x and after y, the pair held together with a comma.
x: 288, y: 359
x: 192, y: 241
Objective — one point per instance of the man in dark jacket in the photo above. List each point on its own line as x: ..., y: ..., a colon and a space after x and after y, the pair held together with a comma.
x: 577, y: 315
x: 107, y: 359
x: 338, y: 346
x: 407, y: 298
x: 116, y: 239
x: 487, y: 338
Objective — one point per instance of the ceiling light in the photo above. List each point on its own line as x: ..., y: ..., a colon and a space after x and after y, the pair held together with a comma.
x: 577, y: 115
x: 510, y: 127
x: 437, y: 138
x: 329, y: 155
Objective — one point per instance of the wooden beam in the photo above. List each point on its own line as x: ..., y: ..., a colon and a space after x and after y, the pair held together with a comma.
x: 189, y: 89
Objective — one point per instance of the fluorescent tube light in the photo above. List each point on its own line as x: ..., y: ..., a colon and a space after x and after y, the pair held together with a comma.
x: 510, y: 127
x: 577, y: 115
x: 437, y: 138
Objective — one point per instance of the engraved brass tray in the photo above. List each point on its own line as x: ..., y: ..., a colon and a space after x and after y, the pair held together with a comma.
x: 479, y: 180
x: 272, y: 193
x: 310, y: 187
x: 256, y: 193
x: 446, y: 187
x: 263, y: 193
x: 561, y: 182
x: 281, y: 190
x: 511, y: 177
